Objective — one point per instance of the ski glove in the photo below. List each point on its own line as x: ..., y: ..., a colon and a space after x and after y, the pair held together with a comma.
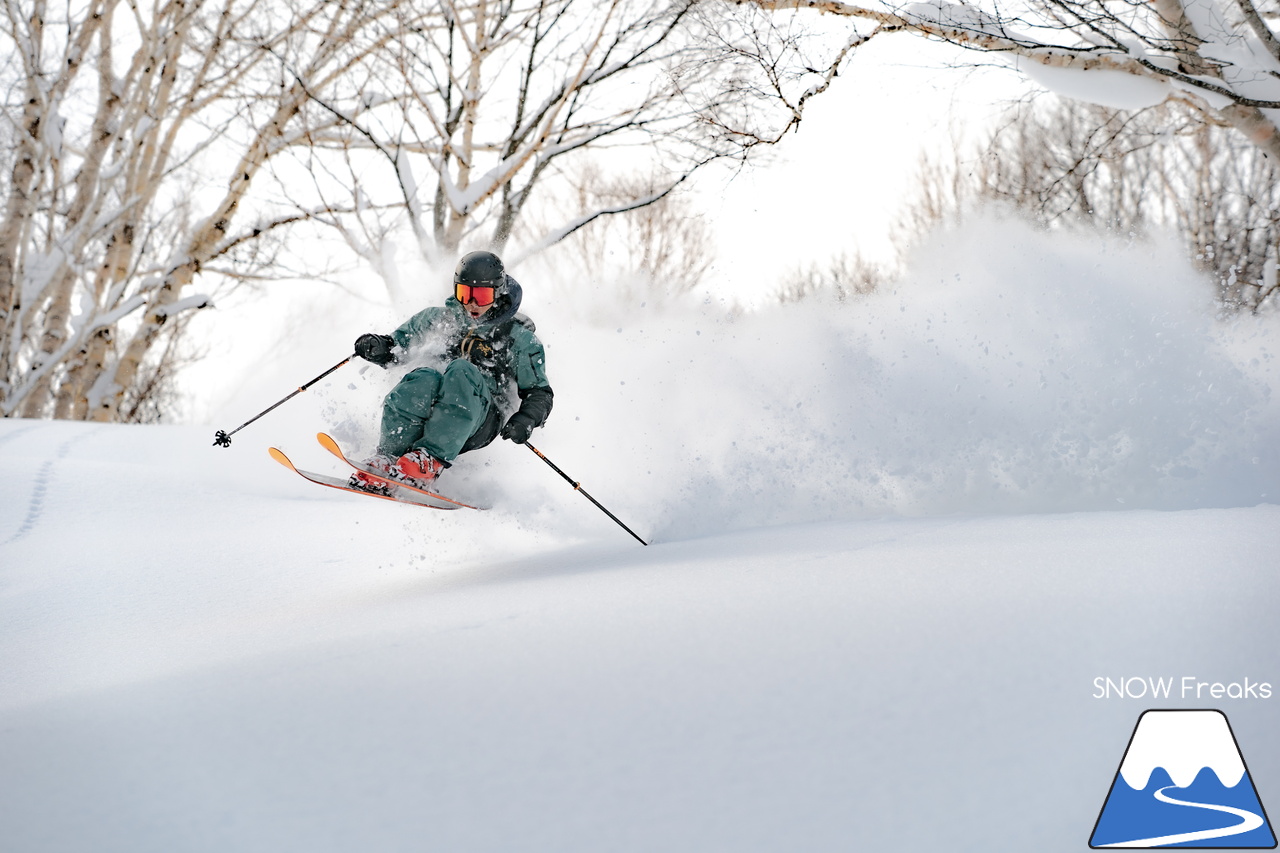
x: 518, y: 428
x: 378, y: 349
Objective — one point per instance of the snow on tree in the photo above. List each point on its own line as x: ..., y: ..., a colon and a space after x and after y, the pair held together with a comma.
x: 157, y: 153
x: 1220, y: 56
x: 498, y: 108
x: 135, y: 133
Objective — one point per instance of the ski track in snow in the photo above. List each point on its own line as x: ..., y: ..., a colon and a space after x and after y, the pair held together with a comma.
x: 9, y: 436
x: 40, y: 491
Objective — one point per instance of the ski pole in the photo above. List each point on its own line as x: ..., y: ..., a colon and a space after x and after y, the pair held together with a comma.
x: 223, y: 438
x: 578, y: 487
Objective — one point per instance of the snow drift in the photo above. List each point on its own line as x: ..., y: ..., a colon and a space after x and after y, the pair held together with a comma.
x: 1009, y: 370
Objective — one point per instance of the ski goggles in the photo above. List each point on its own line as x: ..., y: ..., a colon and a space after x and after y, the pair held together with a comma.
x: 480, y: 294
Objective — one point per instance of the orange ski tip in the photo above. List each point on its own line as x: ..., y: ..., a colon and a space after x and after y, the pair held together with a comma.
x: 279, y: 456
x: 327, y: 442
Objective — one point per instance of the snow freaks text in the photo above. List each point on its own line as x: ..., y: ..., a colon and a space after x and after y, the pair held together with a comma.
x: 1186, y: 687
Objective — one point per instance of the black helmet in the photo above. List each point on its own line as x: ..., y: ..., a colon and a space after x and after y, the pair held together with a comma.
x: 482, y: 268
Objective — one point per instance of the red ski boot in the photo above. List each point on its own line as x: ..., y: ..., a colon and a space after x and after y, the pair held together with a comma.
x: 418, y: 468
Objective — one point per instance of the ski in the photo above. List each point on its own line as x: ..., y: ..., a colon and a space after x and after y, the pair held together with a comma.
x: 329, y: 444
x: 413, y: 497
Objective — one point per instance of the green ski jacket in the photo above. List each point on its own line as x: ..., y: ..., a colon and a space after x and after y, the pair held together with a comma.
x: 502, y: 345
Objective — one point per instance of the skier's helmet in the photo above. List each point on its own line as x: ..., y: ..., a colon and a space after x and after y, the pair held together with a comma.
x: 480, y: 269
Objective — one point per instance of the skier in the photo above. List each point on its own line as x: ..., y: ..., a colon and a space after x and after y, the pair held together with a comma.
x: 475, y: 348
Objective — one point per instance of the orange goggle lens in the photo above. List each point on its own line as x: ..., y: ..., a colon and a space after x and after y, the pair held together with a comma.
x: 474, y: 293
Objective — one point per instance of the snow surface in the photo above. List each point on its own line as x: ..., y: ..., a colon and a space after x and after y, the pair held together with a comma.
x: 895, y: 542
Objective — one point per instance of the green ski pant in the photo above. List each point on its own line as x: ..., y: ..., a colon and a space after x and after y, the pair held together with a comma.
x: 435, y: 411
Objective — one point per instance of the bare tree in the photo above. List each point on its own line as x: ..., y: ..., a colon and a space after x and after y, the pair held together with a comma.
x: 120, y: 116
x: 843, y: 277
x: 444, y: 116
x: 1218, y: 56
x: 1131, y: 172
x: 473, y: 114
x: 1213, y: 64
x: 662, y: 249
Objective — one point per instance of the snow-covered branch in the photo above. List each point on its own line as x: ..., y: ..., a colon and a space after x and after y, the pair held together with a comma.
x: 1222, y: 54
x: 128, y: 110
x: 500, y: 101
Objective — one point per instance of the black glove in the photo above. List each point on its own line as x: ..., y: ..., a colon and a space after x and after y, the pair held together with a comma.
x: 378, y: 349
x: 518, y: 428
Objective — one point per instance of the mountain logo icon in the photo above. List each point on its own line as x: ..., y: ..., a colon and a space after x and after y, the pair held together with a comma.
x: 1183, y: 783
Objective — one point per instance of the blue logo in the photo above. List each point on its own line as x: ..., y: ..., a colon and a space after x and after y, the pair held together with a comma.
x: 1183, y: 783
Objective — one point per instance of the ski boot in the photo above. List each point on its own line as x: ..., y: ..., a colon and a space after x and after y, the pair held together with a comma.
x: 418, y: 468
x: 366, y: 483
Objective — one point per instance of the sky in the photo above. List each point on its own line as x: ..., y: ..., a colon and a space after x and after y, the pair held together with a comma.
x: 838, y: 182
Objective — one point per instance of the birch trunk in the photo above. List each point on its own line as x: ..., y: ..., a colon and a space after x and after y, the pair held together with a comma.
x: 93, y: 240
x: 204, y: 244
